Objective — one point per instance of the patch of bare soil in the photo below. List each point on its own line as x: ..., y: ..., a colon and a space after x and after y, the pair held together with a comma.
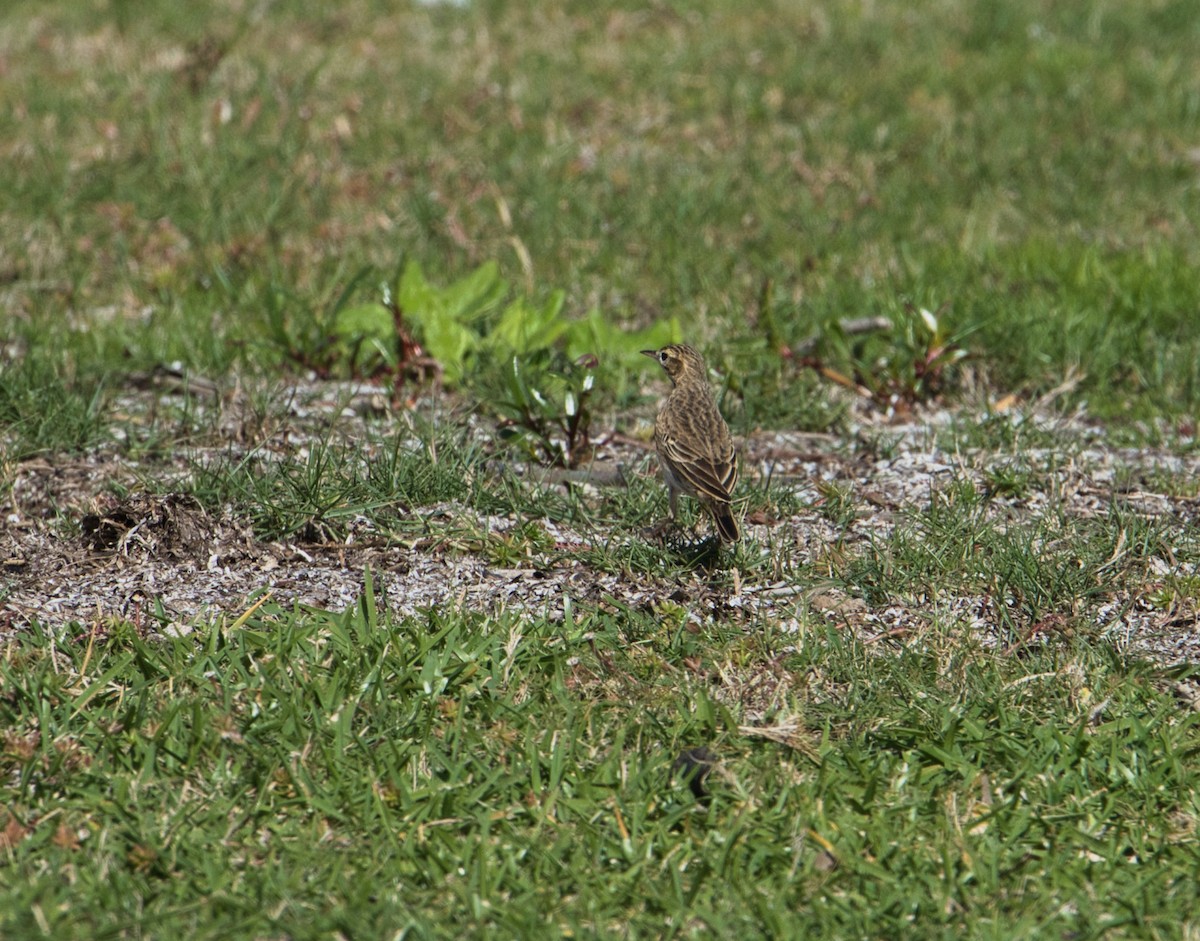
x: 73, y: 553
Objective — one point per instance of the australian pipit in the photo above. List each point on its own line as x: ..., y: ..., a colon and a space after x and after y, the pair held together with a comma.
x: 692, y: 439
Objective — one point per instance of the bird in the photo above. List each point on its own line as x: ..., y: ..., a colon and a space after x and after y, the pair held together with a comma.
x: 693, y: 442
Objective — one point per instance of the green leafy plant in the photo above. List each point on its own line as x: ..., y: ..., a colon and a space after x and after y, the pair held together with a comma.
x: 547, y: 386
x: 548, y: 407
x: 525, y: 327
x: 912, y: 362
x: 449, y: 321
x: 417, y: 329
x: 927, y: 354
x: 461, y: 329
x: 530, y: 364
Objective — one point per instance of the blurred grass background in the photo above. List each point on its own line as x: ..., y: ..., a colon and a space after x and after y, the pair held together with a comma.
x: 177, y: 177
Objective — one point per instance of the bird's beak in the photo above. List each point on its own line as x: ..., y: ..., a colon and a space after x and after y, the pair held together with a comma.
x: 650, y: 353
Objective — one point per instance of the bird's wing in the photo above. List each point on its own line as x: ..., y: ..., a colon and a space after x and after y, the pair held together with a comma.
x: 709, y: 467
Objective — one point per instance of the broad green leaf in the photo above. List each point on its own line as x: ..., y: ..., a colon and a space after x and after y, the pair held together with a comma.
x: 449, y: 343
x: 364, y: 321
x: 443, y: 317
x: 414, y: 293
x: 524, y: 327
x: 594, y: 334
x: 363, y: 331
x: 469, y: 298
x: 464, y: 301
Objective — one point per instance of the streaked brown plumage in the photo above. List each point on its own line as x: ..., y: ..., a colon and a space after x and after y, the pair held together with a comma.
x: 693, y: 442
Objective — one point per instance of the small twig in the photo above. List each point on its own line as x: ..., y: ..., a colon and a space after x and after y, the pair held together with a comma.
x: 851, y: 327
x: 597, y: 474
x: 886, y: 635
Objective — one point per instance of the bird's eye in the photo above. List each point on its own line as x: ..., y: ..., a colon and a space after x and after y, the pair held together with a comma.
x: 663, y: 356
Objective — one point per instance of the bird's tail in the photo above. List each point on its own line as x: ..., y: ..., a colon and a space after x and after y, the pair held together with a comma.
x: 726, y: 525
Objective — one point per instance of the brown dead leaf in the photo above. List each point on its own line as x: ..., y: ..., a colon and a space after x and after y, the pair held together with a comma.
x: 13, y: 833
x: 65, y: 838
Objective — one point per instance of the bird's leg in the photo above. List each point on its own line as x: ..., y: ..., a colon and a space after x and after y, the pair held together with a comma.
x: 662, y: 527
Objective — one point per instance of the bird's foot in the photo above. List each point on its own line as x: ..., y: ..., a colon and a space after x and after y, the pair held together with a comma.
x: 660, y: 530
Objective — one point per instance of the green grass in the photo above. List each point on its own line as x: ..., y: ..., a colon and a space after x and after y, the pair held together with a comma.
x: 302, y: 774
x: 334, y: 482
x: 44, y: 406
x: 222, y: 188
x: 1058, y: 564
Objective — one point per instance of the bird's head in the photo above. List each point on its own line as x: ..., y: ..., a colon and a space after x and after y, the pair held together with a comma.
x: 680, y: 362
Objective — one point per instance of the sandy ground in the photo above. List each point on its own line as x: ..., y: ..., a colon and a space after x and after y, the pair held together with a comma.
x: 74, y: 553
